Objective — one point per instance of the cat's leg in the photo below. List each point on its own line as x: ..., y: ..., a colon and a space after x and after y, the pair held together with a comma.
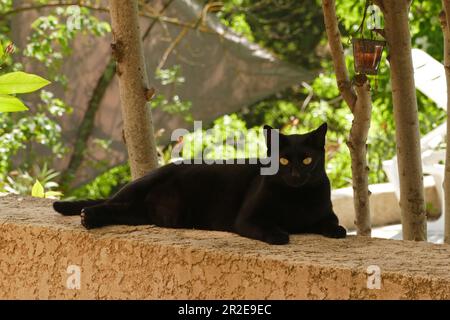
x: 261, y: 231
x: 255, y: 219
x: 330, y: 228
x: 113, y: 214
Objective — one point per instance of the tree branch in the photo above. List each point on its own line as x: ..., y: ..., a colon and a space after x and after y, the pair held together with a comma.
x: 337, y: 53
x: 207, y: 8
x: 360, y: 104
x: 133, y: 88
x: 357, y: 145
x: 150, y: 27
x: 445, y: 23
x: 172, y: 46
x: 404, y: 98
x: 446, y: 12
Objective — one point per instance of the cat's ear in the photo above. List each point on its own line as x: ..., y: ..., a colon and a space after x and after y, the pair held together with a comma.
x: 270, y: 133
x: 317, y: 137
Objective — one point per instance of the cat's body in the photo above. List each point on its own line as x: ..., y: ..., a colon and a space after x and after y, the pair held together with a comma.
x: 235, y: 198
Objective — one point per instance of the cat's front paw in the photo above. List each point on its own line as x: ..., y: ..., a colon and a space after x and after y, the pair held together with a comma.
x: 277, y: 237
x: 337, y: 232
x: 88, y: 219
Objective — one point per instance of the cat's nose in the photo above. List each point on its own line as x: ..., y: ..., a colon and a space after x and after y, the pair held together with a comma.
x: 295, y: 173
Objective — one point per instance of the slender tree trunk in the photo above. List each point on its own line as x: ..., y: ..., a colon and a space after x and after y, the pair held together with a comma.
x: 134, y: 89
x: 445, y: 15
x: 358, y: 151
x: 359, y: 102
x: 414, y: 220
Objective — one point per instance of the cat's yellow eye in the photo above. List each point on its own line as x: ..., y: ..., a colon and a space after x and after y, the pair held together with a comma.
x: 307, y: 161
x: 284, y: 161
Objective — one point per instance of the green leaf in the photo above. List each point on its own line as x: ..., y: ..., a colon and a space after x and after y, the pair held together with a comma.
x: 2, y: 50
x: 21, y: 82
x: 11, y: 104
x: 38, y: 190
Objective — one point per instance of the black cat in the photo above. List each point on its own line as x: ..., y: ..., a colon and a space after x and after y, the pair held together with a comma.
x: 235, y: 198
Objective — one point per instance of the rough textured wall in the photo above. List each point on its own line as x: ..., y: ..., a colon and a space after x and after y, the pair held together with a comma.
x: 37, y: 246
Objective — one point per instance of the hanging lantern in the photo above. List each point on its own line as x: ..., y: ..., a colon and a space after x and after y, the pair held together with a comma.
x: 367, y: 55
x: 367, y: 52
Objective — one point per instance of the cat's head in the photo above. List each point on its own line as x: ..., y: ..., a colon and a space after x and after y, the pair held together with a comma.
x: 301, y: 156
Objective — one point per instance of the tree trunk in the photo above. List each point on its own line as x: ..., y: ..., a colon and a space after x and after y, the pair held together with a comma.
x: 358, y: 151
x: 360, y: 105
x: 134, y: 89
x: 398, y: 36
x: 445, y: 14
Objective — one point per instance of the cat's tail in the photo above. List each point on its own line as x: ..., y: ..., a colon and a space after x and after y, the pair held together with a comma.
x: 73, y: 208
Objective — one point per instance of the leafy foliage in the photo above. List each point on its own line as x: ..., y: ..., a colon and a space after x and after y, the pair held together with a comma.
x: 21, y: 82
x: 290, y: 28
x: 38, y: 182
x: 38, y: 191
x: 175, y: 105
x: 51, y: 39
x: 105, y: 184
x: 17, y: 82
x: 33, y: 140
x: 228, y: 138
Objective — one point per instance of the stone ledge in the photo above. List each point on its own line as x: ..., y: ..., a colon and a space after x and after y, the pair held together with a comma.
x: 37, y: 246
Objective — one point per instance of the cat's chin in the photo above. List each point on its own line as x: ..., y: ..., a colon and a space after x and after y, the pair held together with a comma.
x: 295, y: 183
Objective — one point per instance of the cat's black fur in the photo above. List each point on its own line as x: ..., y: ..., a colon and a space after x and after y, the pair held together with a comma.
x: 235, y: 198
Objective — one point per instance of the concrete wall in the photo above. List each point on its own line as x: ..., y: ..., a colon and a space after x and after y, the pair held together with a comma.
x: 384, y: 206
x: 37, y: 246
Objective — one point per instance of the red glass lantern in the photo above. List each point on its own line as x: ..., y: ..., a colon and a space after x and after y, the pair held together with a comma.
x: 367, y: 55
